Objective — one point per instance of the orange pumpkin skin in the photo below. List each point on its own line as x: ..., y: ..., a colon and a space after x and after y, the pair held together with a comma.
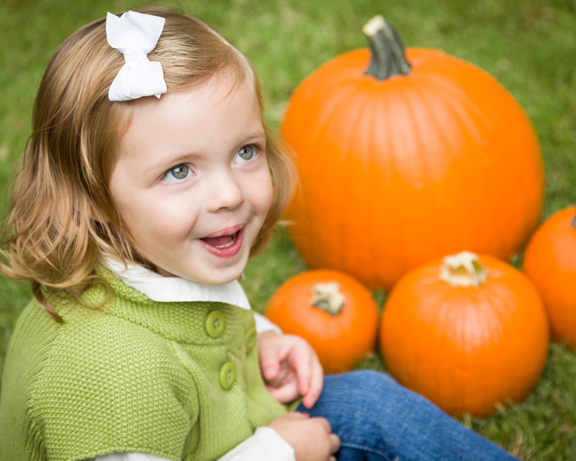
x: 466, y: 348
x: 550, y: 262
x: 394, y: 173
x: 339, y: 340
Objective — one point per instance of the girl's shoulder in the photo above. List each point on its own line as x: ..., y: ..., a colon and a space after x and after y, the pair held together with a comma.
x: 103, y: 341
x: 92, y: 352
x: 91, y: 344
x: 95, y: 373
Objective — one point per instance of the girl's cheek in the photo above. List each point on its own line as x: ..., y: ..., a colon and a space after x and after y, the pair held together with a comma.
x: 169, y: 219
x: 264, y: 191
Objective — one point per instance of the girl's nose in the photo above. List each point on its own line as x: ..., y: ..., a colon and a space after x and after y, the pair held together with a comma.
x: 225, y: 193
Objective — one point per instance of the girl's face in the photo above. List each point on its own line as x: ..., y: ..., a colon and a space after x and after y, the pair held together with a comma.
x: 192, y: 183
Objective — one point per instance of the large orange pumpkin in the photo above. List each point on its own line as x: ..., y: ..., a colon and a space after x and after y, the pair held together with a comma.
x: 550, y: 262
x: 332, y: 311
x: 466, y: 333
x: 416, y: 158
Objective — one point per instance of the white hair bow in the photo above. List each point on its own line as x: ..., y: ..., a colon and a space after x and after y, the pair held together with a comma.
x: 135, y: 35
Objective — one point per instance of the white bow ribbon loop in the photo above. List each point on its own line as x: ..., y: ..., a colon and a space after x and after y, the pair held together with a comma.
x: 135, y: 35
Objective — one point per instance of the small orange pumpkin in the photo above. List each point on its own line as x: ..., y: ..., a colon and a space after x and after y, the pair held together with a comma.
x: 466, y: 332
x: 332, y: 311
x: 550, y: 262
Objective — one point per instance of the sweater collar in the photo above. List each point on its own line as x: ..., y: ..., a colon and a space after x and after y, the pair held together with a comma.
x: 176, y: 289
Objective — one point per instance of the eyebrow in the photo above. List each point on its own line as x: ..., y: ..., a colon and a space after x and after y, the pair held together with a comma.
x: 260, y: 134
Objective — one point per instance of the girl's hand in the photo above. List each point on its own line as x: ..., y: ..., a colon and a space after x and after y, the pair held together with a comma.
x: 290, y: 368
x: 311, y: 438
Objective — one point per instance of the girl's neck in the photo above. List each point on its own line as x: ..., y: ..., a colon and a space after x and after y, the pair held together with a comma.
x: 175, y: 289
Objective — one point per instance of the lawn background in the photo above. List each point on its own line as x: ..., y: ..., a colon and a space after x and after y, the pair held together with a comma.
x: 529, y: 46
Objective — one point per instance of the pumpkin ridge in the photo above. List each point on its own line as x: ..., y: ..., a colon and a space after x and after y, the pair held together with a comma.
x: 332, y: 111
x: 380, y: 135
x: 458, y: 96
x: 374, y: 231
x: 463, y: 106
x: 422, y: 155
x: 349, y: 128
x: 444, y: 145
x: 315, y: 199
x: 399, y: 225
x: 326, y: 121
x: 473, y: 177
x: 494, y: 309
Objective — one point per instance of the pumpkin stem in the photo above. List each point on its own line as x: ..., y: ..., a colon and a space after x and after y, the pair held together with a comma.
x: 388, y: 57
x: 463, y: 270
x: 327, y: 297
x: 573, y: 222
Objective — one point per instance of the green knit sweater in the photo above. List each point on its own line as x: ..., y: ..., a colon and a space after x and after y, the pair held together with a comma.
x: 176, y: 380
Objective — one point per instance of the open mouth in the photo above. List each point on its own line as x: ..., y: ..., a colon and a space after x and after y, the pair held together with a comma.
x: 223, y: 241
x: 227, y: 244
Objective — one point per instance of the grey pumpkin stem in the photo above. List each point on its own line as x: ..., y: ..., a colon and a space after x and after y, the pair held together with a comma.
x: 573, y: 222
x: 388, y: 58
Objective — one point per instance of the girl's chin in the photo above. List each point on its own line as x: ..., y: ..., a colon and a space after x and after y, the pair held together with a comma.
x: 209, y: 274
x: 220, y: 274
x: 219, y: 279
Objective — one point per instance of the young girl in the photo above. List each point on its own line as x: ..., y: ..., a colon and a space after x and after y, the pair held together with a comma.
x: 148, y: 181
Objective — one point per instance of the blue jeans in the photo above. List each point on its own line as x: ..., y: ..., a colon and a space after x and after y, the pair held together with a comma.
x: 379, y: 420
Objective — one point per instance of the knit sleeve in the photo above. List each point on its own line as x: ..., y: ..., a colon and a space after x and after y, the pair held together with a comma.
x: 111, y: 386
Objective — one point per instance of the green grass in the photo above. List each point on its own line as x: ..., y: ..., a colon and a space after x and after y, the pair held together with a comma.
x: 529, y: 45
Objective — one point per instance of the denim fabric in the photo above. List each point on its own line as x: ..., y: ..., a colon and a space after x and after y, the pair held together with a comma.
x: 377, y: 419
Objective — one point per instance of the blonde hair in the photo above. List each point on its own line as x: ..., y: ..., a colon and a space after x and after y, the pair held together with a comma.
x: 63, y: 216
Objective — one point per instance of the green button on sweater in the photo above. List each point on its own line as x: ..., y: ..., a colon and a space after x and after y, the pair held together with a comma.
x: 138, y: 376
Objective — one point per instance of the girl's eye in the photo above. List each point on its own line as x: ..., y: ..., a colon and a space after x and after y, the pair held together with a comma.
x: 246, y: 153
x: 177, y: 173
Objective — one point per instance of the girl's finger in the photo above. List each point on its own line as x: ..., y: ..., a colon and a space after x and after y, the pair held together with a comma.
x: 334, y: 443
x: 283, y: 376
x: 301, y: 360
x: 286, y: 393
x: 316, y: 384
x: 298, y: 415
x: 324, y: 423
x: 269, y: 361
